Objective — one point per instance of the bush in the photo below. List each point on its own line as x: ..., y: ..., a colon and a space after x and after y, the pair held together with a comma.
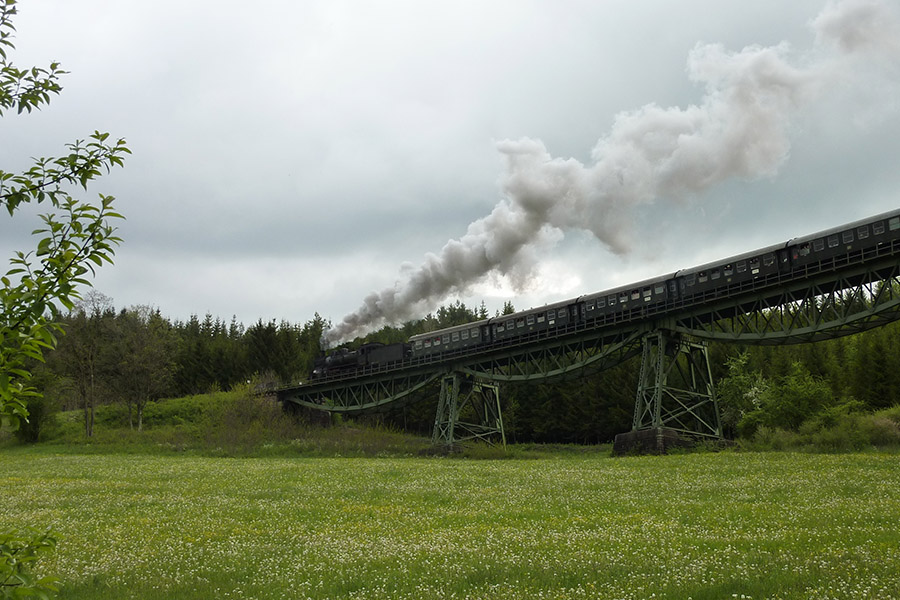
x: 781, y: 404
x: 189, y: 409
x: 245, y: 422
x: 750, y: 424
x: 882, y: 428
x: 41, y: 423
x: 795, y: 396
x: 892, y: 413
x: 832, y: 416
x: 845, y: 435
x: 847, y: 427
x: 773, y: 438
x: 841, y: 428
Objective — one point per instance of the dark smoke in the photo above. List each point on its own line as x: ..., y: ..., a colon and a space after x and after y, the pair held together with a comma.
x: 740, y: 129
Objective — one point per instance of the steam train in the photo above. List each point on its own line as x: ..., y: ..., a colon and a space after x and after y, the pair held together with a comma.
x: 795, y: 259
x: 344, y: 360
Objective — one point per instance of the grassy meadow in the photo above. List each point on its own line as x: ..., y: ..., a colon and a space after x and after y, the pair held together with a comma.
x: 701, y: 526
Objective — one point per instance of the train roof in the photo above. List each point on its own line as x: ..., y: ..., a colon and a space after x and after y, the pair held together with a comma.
x: 792, y: 241
x: 630, y: 287
x: 881, y: 217
x: 734, y: 259
x: 437, y: 332
x: 535, y: 309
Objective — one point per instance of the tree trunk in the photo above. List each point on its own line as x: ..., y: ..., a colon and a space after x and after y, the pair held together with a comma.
x: 89, y: 417
x: 89, y: 404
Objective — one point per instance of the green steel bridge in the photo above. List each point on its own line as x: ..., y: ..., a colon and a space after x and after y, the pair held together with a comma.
x: 839, y: 296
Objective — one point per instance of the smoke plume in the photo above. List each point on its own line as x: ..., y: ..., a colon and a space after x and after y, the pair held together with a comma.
x: 740, y: 129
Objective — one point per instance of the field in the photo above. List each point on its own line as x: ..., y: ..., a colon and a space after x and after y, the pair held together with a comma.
x: 728, y: 525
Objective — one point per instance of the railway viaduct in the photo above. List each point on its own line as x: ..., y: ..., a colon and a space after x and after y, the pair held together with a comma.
x: 675, y: 396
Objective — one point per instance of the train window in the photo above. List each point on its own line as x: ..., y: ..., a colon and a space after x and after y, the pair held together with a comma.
x: 818, y: 245
x: 520, y: 322
x: 803, y: 250
x: 446, y: 338
x: 648, y: 293
x: 590, y: 305
x: 862, y: 232
x: 702, y: 277
x: 635, y: 294
x: 690, y: 279
x: 541, y: 318
x: 742, y: 266
x: 623, y: 297
x: 847, y: 236
x: 660, y: 288
x: 561, y: 313
x: 612, y: 299
x: 428, y: 343
x: 894, y: 223
x: 529, y: 320
x: 437, y: 341
x: 768, y: 260
x: 501, y: 328
x: 728, y: 271
x: 715, y: 274
x: 833, y: 241
x: 475, y: 334
x: 673, y: 286
x: 464, y: 334
x: 454, y: 336
x: 601, y: 302
x: 878, y: 227
x: 418, y: 344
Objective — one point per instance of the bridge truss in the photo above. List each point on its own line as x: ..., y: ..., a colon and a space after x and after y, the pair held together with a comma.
x: 675, y: 389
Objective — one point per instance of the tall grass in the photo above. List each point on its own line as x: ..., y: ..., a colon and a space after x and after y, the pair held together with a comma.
x: 235, y: 423
x: 834, y: 431
x: 700, y: 526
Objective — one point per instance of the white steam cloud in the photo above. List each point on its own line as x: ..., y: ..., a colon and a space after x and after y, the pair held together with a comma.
x: 740, y: 129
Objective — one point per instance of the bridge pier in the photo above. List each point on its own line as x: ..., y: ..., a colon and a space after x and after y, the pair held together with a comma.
x: 467, y: 409
x: 675, y: 397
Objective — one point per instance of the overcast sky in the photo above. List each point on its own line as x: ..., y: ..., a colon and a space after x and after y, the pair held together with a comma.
x: 295, y: 157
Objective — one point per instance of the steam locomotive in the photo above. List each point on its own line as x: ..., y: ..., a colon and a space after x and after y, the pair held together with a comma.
x: 795, y: 259
x: 344, y: 360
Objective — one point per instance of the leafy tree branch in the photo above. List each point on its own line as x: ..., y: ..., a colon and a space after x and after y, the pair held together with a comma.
x: 75, y: 238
